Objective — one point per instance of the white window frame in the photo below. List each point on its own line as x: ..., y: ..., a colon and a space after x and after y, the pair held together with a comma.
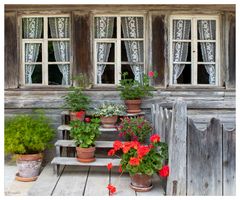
x: 194, y: 49
x: 44, y: 41
x: 117, y: 41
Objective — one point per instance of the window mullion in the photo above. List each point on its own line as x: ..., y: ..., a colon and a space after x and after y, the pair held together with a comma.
x: 45, y: 52
x: 118, y: 56
x: 195, y: 51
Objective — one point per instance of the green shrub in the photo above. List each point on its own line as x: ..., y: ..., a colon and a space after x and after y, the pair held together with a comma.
x: 25, y: 134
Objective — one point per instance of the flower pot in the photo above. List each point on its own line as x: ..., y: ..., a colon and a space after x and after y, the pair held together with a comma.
x: 28, y: 166
x: 133, y: 106
x: 108, y: 122
x: 80, y: 115
x: 86, y: 154
x: 141, y: 182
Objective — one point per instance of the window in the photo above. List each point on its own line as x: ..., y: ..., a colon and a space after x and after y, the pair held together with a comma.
x: 195, y: 50
x: 118, y: 48
x: 46, y: 50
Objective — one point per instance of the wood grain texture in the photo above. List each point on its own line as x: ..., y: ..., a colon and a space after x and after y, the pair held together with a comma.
x: 204, y: 159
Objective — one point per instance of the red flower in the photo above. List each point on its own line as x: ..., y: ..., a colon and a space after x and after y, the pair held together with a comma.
x: 80, y: 114
x: 111, y: 152
x: 126, y: 147
x: 87, y: 119
x: 164, y: 172
x: 109, y: 166
x: 117, y: 145
x: 134, y: 161
x: 142, y: 151
x: 155, y: 138
x: 151, y: 74
x: 111, y: 188
x: 135, y: 144
x: 120, y: 169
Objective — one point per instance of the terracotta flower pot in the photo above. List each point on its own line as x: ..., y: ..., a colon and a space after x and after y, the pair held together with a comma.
x: 108, y: 122
x: 141, y: 182
x: 28, y: 166
x: 133, y: 106
x: 80, y: 115
x: 86, y: 154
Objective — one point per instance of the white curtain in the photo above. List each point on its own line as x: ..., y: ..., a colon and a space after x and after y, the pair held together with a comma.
x: 104, y: 29
x: 59, y: 28
x: 181, y: 30
x: 207, y: 30
x: 32, y: 28
x: 133, y: 28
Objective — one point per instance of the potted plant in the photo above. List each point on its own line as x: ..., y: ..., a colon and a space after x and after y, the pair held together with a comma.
x: 84, y: 134
x: 134, y: 128
x: 142, y: 161
x: 27, y: 136
x: 108, y: 113
x: 132, y: 91
x: 77, y: 102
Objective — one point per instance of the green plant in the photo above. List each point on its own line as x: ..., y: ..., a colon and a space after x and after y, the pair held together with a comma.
x: 85, y: 133
x: 110, y: 109
x: 82, y: 81
x: 25, y: 134
x: 134, y: 128
x: 131, y: 89
x: 76, y: 100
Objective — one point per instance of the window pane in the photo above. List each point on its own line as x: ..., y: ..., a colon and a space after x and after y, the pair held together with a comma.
x: 32, y: 28
x: 33, y: 52
x: 130, y: 69
x: 206, y: 51
x: 206, y: 29
x: 58, y: 51
x: 132, y: 51
x: 181, y: 29
x: 105, y: 52
x: 105, y: 27
x: 181, y: 51
x: 58, y: 27
x: 33, y: 74
x: 132, y: 27
x: 206, y: 74
x: 59, y: 74
x: 182, y: 74
x: 105, y: 74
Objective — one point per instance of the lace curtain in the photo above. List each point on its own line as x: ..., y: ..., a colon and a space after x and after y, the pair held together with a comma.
x: 59, y: 28
x: 207, y: 30
x: 104, y: 29
x: 181, y: 30
x: 133, y: 28
x: 32, y: 28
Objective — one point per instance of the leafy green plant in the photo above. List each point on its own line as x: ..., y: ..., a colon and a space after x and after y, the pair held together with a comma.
x: 85, y: 133
x: 131, y: 89
x: 25, y: 134
x: 110, y: 109
x: 82, y: 81
x: 134, y: 128
x: 76, y: 100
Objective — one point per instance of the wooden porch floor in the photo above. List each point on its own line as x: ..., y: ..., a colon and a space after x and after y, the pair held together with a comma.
x: 87, y: 181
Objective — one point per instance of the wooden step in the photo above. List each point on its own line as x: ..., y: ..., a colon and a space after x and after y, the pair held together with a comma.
x: 70, y: 143
x: 67, y: 128
x: 100, y: 162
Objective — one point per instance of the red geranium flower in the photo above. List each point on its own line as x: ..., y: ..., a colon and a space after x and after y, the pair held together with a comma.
x: 109, y: 166
x: 134, y: 161
x: 142, y: 151
x: 155, y: 138
x: 164, y: 172
x: 120, y: 169
x: 111, y: 152
x: 80, y: 114
x: 111, y: 188
x: 87, y: 119
x: 117, y: 145
x: 151, y: 74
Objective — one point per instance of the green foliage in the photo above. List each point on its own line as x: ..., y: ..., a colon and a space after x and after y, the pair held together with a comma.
x: 110, y: 109
x: 76, y: 100
x: 25, y: 134
x: 82, y: 81
x: 85, y: 133
x: 131, y: 89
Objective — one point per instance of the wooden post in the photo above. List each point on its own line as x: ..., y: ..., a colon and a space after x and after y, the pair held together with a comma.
x: 176, y: 183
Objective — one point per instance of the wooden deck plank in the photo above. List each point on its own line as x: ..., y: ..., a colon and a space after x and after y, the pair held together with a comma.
x: 67, y: 128
x: 72, y: 181
x: 121, y: 183
x: 157, y: 189
x: 97, y: 182
x: 45, y: 183
x: 71, y: 143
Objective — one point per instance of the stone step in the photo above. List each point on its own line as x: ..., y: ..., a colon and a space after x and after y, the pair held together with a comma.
x: 71, y: 143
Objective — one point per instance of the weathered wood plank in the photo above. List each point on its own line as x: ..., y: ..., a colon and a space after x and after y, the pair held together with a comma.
x: 67, y: 128
x: 229, y: 162
x: 98, y: 180
x: 71, y: 143
x: 72, y: 181
x: 45, y: 183
x: 204, y: 159
x: 177, y: 150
